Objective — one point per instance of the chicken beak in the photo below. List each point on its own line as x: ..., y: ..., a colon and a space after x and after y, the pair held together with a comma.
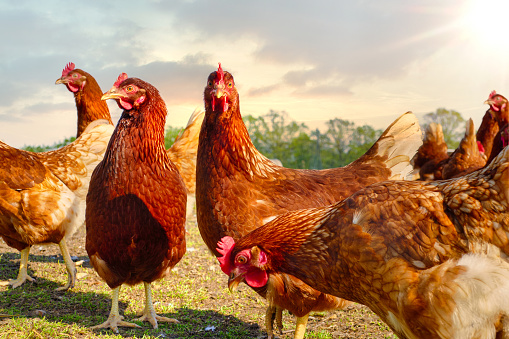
x: 111, y: 94
x: 234, y: 280
x: 219, y: 93
x: 60, y: 81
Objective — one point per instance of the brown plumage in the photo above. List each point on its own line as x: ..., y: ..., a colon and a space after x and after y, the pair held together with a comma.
x: 466, y: 158
x: 488, y: 128
x: 87, y: 95
x: 429, y: 157
x: 500, y: 105
x: 381, y: 247
x: 42, y: 195
x: 238, y: 189
x: 136, y: 202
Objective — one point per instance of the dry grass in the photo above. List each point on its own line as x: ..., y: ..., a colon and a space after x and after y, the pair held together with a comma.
x: 196, y: 294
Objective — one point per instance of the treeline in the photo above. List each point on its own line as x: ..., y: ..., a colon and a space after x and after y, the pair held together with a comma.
x: 277, y: 136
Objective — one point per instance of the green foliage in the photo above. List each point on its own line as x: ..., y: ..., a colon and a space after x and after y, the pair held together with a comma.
x: 171, y: 134
x: 45, y: 148
x: 453, y: 125
x: 277, y: 137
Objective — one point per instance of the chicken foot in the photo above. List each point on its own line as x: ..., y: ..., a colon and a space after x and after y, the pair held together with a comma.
x: 115, y: 319
x: 273, y: 313
x: 69, y: 265
x: 22, y: 274
x: 149, y: 314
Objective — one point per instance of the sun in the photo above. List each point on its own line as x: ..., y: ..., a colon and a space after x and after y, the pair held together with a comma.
x: 486, y: 21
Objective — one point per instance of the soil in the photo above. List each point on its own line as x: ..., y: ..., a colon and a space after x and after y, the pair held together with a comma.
x: 195, y: 293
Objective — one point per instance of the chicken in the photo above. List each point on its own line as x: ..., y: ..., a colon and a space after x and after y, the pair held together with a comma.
x: 388, y: 246
x: 136, y: 202
x: 467, y: 157
x: 42, y: 195
x: 87, y: 95
x: 183, y: 154
x: 488, y: 129
x: 238, y: 189
x: 499, y: 104
x: 432, y: 152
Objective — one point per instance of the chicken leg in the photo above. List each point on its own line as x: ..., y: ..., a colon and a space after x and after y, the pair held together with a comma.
x: 114, y: 319
x: 273, y: 313
x: 69, y: 264
x: 22, y: 274
x: 149, y: 314
x: 300, y: 327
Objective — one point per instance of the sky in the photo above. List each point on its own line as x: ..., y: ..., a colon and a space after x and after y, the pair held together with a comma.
x: 364, y: 61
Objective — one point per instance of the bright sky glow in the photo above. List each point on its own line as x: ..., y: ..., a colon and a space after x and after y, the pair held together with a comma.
x: 364, y: 61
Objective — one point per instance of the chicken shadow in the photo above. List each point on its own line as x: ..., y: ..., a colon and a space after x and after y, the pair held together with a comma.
x: 39, y: 299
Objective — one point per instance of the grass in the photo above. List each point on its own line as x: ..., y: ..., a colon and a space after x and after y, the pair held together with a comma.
x: 195, y: 293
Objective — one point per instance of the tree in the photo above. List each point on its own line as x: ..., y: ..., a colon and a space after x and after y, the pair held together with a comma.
x: 453, y: 125
x: 277, y: 136
x: 171, y: 135
x: 45, y: 148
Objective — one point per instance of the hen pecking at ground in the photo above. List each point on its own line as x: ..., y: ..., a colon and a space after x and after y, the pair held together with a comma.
x: 238, y: 189
x: 430, y: 258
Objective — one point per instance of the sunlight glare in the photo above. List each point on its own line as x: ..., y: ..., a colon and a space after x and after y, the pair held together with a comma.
x: 487, y: 21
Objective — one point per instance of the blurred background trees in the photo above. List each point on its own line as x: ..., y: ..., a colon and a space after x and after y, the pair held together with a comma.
x: 277, y: 136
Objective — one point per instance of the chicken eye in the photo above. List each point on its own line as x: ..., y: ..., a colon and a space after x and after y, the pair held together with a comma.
x: 75, y: 75
x: 130, y: 88
x: 230, y: 85
x: 209, y: 84
x: 241, y: 259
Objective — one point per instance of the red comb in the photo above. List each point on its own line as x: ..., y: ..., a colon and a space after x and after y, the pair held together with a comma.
x: 220, y: 73
x: 69, y: 67
x: 492, y: 94
x: 121, y: 78
x: 225, y: 247
x: 480, y: 146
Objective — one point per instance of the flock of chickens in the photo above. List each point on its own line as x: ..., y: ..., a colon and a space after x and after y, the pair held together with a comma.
x: 430, y: 256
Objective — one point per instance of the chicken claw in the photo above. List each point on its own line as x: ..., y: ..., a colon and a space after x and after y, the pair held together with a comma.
x: 113, y: 321
x: 149, y: 314
x: 22, y: 274
x: 69, y: 265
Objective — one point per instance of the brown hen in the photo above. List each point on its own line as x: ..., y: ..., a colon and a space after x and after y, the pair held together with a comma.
x: 136, y: 203
x: 238, y: 189
x: 466, y: 158
x: 500, y: 105
x: 488, y: 128
x: 403, y: 248
x: 429, y: 157
x: 42, y: 195
x: 87, y: 95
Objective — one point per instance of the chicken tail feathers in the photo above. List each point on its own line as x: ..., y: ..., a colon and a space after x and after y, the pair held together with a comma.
x: 397, y: 146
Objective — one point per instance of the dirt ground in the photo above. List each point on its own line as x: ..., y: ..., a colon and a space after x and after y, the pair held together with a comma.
x: 196, y: 294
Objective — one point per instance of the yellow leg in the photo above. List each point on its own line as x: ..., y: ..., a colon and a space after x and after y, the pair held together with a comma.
x: 69, y: 265
x: 269, y: 321
x: 149, y: 314
x: 279, y: 319
x: 22, y: 273
x: 300, y: 327
x: 115, y: 319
